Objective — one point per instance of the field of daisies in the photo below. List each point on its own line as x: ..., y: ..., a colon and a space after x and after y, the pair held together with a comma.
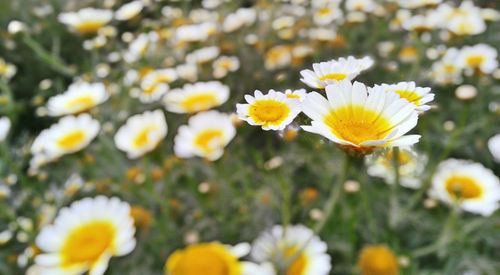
x: 249, y: 137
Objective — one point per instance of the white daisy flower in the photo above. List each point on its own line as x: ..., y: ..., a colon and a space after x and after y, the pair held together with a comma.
x: 447, y: 71
x: 415, y: 4
x: 141, y: 133
x: 474, y: 187
x: 494, y: 147
x: 203, y: 55
x: 358, y: 120
x: 480, y: 57
x: 79, y: 97
x: 273, y: 111
x: 85, y: 235
x: 325, y: 73
x: 155, y: 84
x: 7, y: 70
x: 197, y: 97
x: 129, y: 10
x: 225, y: 64
x: 418, y: 96
x: 242, y: 17
x: 5, y: 125
x: 205, y: 136
x: 326, y: 14
x: 278, y: 57
x: 87, y: 20
x: 212, y: 258
x: 70, y: 134
x: 361, y: 5
x: 299, y: 94
x: 296, y: 244
x: 187, y: 72
x: 191, y: 33
x: 138, y: 47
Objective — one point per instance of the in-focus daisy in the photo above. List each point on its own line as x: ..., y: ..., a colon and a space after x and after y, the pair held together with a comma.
x: 296, y: 245
x: 85, y: 235
x: 332, y: 71
x: 4, y: 128
x: 273, y: 111
x: 80, y: 96
x: 70, y: 134
x: 87, y: 20
x: 378, y: 260
x: 480, y: 57
x: 360, y: 121
x: 419, y: 96
x: 205, y: 136
x: 493, y: 146
x: 141, y: 133
x: 212, y: 259
x: 129, y: 10
x: 411, y: 166
x: 155, y: 84
x: 471, y: 185
x: 197, y: 97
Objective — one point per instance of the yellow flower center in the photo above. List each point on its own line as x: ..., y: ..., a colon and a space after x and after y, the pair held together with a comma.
x: 324, y: 11
x: 81, y: 103
x: 378, y: 260
x: 475, y: 61
x: 449, y: 68
x: 71, y: 140
x: 333, y: 76
x: 209, y: 259
x: 142, y: 138
x: 404, y: 158
x: 89, y: 27
x: 411, y: 96
x: 299, y: 264
x: 357, y: 124
x: 86, y: 243
x: 269, y: 112
x: 463, y: 187
x: 209, y: 139
x: 199, y: 102
x: 293, y: 96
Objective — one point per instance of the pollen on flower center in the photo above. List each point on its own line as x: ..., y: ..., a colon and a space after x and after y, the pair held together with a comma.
x: 357, y: 124
x: 71, y: 140
x: 410, y: 96
x: 475, y: 60
x: 86, y: 243
x: 269, y: 111
x: 82, y: 102
x: 89, y: 27
x: 208, y: 138
x: 202, y: 101
x: 203, y: 259
x: 463, y: 187
x: 333, y: 76
x: 298, y: 266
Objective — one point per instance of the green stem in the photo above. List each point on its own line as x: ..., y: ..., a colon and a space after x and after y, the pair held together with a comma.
x: 395, y: 212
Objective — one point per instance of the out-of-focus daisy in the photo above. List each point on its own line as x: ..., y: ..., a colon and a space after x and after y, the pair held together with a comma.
x: 463, y: 20
x: 322, y: 34
x: 242, y: 17
x: 420, y: 23
x: 296, y: 245
x: 187, y: 72
x: 273, y: 111
x: 197, y: 97
x: 129, y: 10
x: 358, y: 120
x: 471, y: 185
x: 85, y: 235
x: 419, y: 96
x: 138, y: 47
x: 326, y: 14
x: 87, y: 20
x: 225, y: 64
x: 494, y: 147
x: 211, y: 259
x: 299, y: 94
x: 70, y: 134
x: 378, y: 260
x: 4, y: 128
x: 411, y: 166
x: 278, y: 57
x: 205, y: 136
x: 155, y: 84
x: 7, y: 70
x: 80, y: 96
x: 361, y: 5
x: 194, y: 33
x: 141, y: 133
x: 447, y: 71
x: 203, y: 55
x: 332, y: 71
x: 415, y: 4
x: 480, y: 57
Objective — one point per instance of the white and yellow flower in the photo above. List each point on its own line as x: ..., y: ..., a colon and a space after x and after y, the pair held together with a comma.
x: 87, y: 20
x: 85, y: 235
x: 129, y: 10
x: 225, y: 64
x: 299, y: 94
x: 325, y: 73
x: 358, y: 120
x: 197, y: 97
x: 141, y: 133
x: 418, y: 96
x: 212, y: 259
x: 480, y: 57
x: 205, y: 136
x: 296, y: 244
x: 7, y: 70
x: 5, y: 125
x: 447, y: 71
x: 70, y: 134
x: 278, y: 57
x: 273, y: 111
x: 471, y: 185
x: 242, y: 17
x: 155, y: 84
x: 326, y: 14
x: 361, y: 5
x: 203, y: 55
x: 80, y: 96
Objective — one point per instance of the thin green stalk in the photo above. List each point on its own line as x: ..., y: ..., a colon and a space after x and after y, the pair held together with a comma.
x: 395, y: 211
x: 53, y: 61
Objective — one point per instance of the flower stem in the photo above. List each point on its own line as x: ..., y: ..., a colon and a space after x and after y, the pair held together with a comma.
x: 395, y: 212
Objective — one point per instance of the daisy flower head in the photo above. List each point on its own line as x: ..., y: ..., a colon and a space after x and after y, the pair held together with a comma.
x: 299, y: 94
x: 212, y: 259
x: 85, y: 235
x: 327, y: 13
x: 7, y: 70
x: 359, y: 121
x: 378, y: 260
x: 80, y: 97
x: 155, y: 84
x: 206, y: 135
x: 419, y: 96
x: 480, y: 57
x: 297, y: 244
x: 471, y: 185
x: 273, y: 111
x: 141, y: 133
x: 87, y: 20
x: 325, y: 73
x: 129, y: 10
x: 225, y: 64
x: 197, y: 97
x: 5, y: 125
x: 70, y: 134
x: 447, y: 71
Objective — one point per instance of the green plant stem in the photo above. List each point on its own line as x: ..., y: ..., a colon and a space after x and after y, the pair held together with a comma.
x: 395, y: 211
